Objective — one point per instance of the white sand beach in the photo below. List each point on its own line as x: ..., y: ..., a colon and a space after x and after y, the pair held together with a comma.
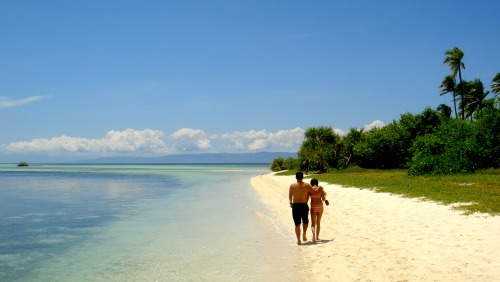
x: 369, y: 236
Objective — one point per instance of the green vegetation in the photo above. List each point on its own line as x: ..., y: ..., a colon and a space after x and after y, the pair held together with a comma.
x: 279, y: 164
x: 431, y: 155
x: 432, y: 142
x: 23, y: 164
x: 320, y: 148
x: 471, y: 192
x: 454, y: 60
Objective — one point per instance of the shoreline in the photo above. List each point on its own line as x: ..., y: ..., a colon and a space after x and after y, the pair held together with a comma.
x: 372, y: 236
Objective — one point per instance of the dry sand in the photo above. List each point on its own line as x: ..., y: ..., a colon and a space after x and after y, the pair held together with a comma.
x: 369, y: 236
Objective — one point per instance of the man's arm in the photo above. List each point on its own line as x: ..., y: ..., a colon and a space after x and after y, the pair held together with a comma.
x: 310, y: 190
x: 309, y: 187
x: 290, y: 195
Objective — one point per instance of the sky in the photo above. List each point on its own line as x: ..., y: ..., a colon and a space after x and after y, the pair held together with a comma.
x: 88, y: 79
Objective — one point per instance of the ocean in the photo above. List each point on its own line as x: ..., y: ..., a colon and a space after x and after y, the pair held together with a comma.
x: 72, y: 222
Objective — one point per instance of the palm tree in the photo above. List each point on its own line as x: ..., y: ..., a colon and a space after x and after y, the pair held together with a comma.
x: 449, y: 86
x: 495, y: 87
x: 474, y: 96
x: 454, y: 60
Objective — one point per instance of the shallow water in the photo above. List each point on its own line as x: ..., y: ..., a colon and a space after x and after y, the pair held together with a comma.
x: 138, y: 223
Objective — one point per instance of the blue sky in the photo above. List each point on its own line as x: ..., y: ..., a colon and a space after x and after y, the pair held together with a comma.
x: 85, y: 79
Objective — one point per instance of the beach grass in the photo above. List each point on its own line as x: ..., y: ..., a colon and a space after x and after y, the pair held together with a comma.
x: 467, y: 192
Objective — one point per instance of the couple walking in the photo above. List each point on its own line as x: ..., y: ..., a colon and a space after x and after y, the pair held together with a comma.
x: 298, y: 195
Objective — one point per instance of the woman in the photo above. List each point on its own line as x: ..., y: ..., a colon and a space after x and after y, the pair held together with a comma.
x: 317, y: 198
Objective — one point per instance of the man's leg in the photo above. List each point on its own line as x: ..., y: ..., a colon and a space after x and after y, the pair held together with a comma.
x: 305, y: 221
x: 297, y: 232
x: 296, y: 220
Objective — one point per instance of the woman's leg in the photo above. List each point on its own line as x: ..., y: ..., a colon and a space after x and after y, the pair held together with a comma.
x: 313, y: 224
x: 318, y: 223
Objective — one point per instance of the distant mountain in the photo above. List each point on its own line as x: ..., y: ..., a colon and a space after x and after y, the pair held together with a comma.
x: 212, y: 158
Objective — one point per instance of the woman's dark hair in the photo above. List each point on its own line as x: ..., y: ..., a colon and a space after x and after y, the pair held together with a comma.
x: 314, y: 181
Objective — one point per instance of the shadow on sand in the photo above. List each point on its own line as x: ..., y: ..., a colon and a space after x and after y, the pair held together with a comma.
x: 322, y: 241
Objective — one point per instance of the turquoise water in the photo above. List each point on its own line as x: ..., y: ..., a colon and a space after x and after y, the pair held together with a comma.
x: 138, y: 223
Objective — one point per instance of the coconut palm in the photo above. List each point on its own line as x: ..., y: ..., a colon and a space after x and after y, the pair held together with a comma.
x: 449, y: 86
x: 474, y: 96
x: 495, y: 87
x: 454, y: 60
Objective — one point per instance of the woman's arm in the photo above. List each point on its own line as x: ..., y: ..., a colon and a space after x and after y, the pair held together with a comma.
x: 323, y: 194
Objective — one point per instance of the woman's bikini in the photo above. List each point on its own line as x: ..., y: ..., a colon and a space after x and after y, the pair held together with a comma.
x: 318, y: 205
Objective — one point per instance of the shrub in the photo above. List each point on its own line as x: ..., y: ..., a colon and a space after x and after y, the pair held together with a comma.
x: 278, y: 164
x: 459, y: 146
x: 381, y: 148
x: 389, y: 147
x: 450, y: 150
x: 291, y: 163
x: 486, y: 133
x: 320, y: 149
x: 349, y: 142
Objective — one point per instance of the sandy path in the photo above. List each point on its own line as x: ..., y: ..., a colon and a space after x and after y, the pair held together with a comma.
x: 368, y: 236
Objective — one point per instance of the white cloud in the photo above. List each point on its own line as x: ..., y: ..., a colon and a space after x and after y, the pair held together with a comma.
x: 204, y: 144
x: 154, y: 142
x: 6, y: 102
x: 340, y: 132
x: 114, y: 141
x: 188, y: 133
x: 374, y: 124
x: 259, y: 144
x: 287, y: 140
x: 150, y: 142
x: 191, y: 140
x: 132, y: 140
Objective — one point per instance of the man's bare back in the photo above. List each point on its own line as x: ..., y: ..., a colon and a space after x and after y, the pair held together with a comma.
x: 299, y: 192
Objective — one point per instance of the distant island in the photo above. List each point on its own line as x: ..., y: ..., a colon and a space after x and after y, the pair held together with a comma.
x: 206, y: 158
x: 23, y: 164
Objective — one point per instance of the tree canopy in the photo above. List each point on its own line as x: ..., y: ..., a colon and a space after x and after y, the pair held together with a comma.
x: 431, y: 142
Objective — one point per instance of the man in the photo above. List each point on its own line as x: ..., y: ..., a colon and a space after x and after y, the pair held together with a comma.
x: 298, y: 195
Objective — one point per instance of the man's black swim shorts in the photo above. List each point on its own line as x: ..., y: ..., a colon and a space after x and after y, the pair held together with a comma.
x: 300, y: 212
